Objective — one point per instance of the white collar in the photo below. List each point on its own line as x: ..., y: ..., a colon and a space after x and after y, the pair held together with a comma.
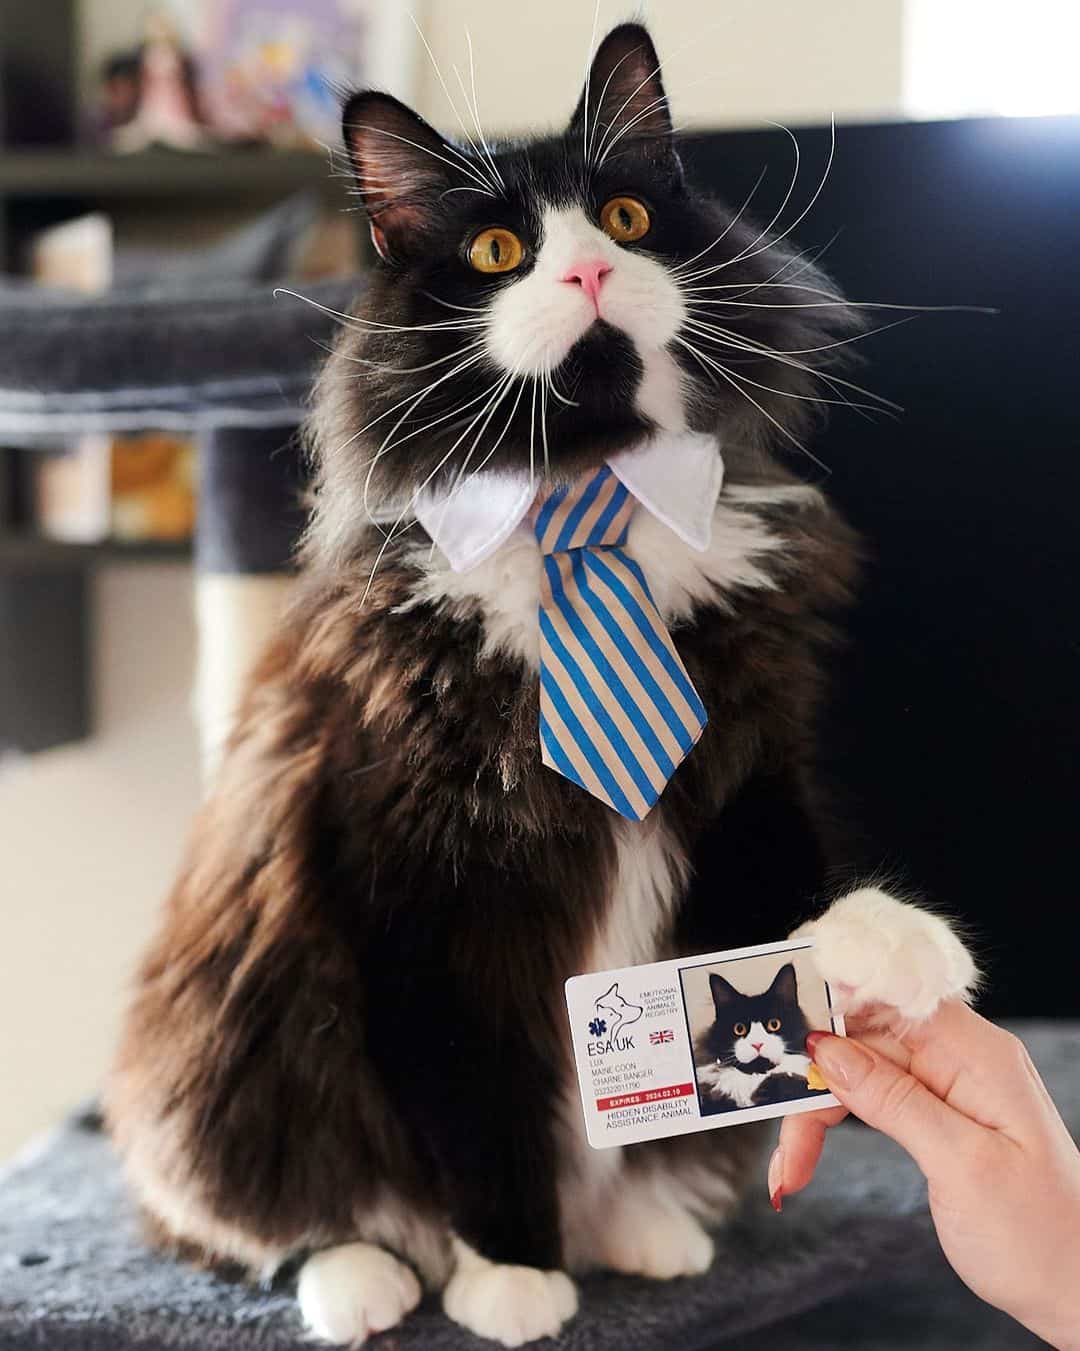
x: 677, y: 476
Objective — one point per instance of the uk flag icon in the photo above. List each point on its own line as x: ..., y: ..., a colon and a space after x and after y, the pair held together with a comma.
x: 658, y: 1038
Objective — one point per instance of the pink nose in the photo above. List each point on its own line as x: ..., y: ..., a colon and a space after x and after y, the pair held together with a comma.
x: 757, y: 1045
x: 589, y: 276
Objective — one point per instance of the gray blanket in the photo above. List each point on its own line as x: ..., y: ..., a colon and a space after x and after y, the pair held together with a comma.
x: 851, y: 1263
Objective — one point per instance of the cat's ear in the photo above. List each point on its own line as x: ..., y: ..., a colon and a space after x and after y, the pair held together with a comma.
x: 402, y: 167
x: 624, y: 95
x: 722, y: 993
x: 785, y: 985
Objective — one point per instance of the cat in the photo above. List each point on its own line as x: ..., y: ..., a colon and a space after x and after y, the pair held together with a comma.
x: 616, y: 1011
x: 754, y: 1051
x: 386, y: 889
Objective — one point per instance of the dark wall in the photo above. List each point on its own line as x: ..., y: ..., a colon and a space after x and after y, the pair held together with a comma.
x: 954, y: 729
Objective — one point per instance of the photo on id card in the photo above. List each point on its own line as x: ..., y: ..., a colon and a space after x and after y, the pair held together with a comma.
x: 695, y: 1043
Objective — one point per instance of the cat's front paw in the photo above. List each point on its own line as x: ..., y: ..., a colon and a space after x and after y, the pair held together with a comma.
x: 644, y: 1238
x: 874, y: 949
x: 349, y: 1292
x: 507, y: 1304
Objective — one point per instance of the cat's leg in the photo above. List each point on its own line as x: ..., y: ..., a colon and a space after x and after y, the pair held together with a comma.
x: 506, y: 1302
x: 468, y: 1036
x: 874, y: 949
x: 647, y: 1211
x: 349, y: 1292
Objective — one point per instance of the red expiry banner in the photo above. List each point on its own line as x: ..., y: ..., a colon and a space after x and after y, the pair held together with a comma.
x: 649, y: 1095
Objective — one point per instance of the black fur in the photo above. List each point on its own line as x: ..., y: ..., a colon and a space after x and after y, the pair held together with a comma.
x: 356, y: 996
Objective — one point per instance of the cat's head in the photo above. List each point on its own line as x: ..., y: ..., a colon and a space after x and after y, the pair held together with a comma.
x: 755, y: 1032
x: 542, y: 303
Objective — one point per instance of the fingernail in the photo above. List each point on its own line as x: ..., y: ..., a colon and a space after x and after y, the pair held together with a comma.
x: 839, y: 1059
x: 776, y: 1179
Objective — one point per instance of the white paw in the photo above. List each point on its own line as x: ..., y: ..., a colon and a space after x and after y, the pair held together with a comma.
x: 660, y: 1241
x: 512, y: 1305
x: 349, y: 1292
x: 873, y: 949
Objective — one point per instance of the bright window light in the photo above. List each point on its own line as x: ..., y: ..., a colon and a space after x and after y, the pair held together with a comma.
x: 1016, y: 58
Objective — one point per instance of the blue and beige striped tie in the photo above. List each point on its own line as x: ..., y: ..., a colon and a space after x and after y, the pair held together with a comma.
x: 618, y: 713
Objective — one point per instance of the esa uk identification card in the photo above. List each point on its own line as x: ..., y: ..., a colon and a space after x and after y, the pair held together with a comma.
x: 698, y: 1042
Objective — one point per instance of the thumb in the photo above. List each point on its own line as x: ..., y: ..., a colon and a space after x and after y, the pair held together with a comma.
x: 893, y: 1102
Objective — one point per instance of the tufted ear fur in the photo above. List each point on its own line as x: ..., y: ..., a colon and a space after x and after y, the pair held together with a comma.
x: 402, y: 167
x: 624, y: 94
x: 723, y: 992
x: 785, y: 985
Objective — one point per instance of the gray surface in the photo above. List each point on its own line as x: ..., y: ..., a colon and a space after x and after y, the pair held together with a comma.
x: 856, y: 1249
x: 231, y: 355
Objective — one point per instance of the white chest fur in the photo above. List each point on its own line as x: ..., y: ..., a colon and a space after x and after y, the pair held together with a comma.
x: 731, y: 1082
x: 506, y: 586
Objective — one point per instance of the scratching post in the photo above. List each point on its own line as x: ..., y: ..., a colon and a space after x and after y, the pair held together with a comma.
x: 250, y: 514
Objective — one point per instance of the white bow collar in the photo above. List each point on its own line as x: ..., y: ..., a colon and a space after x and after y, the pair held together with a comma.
x: 677, y: 476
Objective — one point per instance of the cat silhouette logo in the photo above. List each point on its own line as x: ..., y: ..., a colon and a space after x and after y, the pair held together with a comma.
x: 612, y: 1013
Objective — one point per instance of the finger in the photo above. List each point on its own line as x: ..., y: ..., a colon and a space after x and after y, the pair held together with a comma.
x: 801, y: 1140
x: 894, y: 1102
x: 978, y: 1068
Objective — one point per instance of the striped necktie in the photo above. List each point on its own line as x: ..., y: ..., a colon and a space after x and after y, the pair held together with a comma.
x: 618, y: 713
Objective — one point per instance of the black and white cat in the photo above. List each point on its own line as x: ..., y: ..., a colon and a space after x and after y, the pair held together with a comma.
x: 348, y: 1042
x: 754, y: 1052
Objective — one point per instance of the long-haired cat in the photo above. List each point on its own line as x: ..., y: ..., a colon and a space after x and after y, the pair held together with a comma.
x: 348, y: 1041
x: 755, y: 1049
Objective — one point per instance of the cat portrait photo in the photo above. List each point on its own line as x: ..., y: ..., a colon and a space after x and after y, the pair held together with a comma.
x: 748, y: 1021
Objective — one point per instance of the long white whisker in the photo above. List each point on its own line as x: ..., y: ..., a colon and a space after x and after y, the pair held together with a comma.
x: 450, y: 100
x: 414, y: 370
x: 463, y: 165
x: 388, y: 444
x: 858, y: 305
x: 502, y: 434
x: 388, y: 412
x: 532, y: 419
x: 729, y: 376
x: 544, y: 426
x: 745, y: 344
x: 491, y: 410
x: 392, y: 533
x: 677, y: 271
x: 600, y: 103
x: 747, y: 251
x: 803, y: 398
x: 628, y: 126
x: 753, y: 251
x: 843, y: 342
x: 588, y: 81
x: 476, y: 112
x: 465, y: 309
x: 440, y: 326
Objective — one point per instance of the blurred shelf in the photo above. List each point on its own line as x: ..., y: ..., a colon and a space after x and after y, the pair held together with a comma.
x: 27, y: 553
x: 161, y: 173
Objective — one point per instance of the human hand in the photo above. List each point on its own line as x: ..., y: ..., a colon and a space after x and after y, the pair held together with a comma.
x: 963, y: 1098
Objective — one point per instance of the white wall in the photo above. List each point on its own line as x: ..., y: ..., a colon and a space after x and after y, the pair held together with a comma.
x: 726, y: 62
x: 90, y: 835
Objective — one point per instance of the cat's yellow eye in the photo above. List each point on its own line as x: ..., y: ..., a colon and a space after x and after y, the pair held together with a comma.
x: 773, y: 1025
x: 496, y: 250
x: 625, y: 219
x: 741, y: 1029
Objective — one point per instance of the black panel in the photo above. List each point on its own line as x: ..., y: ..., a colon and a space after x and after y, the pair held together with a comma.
x: 954, y: 728
x: 37, y: 72
x: 44, y: 665
x: 251, y: 483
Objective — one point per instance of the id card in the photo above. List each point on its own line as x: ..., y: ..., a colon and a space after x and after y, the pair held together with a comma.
x: 699, y: 1042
